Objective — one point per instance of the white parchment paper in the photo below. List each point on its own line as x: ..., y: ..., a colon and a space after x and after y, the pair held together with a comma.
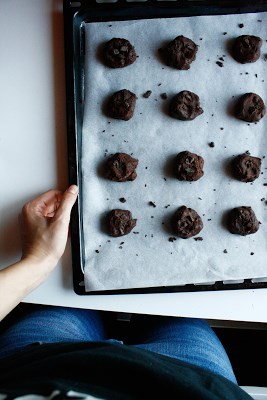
x: 146, y: 257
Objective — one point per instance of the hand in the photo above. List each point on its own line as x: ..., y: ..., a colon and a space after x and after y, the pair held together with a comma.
x: 45, y: 225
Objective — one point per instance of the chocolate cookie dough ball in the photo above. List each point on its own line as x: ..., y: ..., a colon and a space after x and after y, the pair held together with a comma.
x: 246, y: 168
x: 247, y: 49
x: 120, y: 222
x: 185, y: 106
x: 243, y: 221
x: 188, y: 166
x: 122, y: 104
x: 250, y: 107
x: 180, y: 52
x: 121, y: 167
x: 119, y: 53
x: 186, y: 222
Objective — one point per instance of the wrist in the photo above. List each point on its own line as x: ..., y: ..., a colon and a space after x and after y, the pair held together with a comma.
x: 40, y: 260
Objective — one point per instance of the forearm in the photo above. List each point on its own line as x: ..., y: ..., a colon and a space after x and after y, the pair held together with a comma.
x: 19, y: 279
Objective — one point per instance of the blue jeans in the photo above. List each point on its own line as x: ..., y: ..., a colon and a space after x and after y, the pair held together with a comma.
x: 188, y: 339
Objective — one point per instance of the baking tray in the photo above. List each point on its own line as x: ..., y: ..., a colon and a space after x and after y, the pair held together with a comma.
x: 76, y: 14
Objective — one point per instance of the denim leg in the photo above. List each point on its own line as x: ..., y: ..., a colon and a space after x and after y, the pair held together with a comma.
x: 187, y: 339
x: 49, y: 324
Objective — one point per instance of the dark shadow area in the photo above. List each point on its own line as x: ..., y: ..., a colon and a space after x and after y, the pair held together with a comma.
x: 101, y: 168
x: 168, y: 168
x: 229, y: 46
x: 60, y: 117
x: 165, y: 106
x: 246, y: 347
x: 167, y: 225
x: 106, y: 105
x: 159, y: 53
x: 225, y: 219
x: 247, y: 351
x: 227, y: 167
x: 103, y: 222
x: 58, y: 64
x: 231, y: 106
x: 100, y: 53
x: 10, y: 242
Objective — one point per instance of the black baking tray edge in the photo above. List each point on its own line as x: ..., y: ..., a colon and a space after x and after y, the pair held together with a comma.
x: 76, y: 13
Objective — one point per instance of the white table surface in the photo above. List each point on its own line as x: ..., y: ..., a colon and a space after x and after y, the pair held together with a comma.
x: 33, y: 159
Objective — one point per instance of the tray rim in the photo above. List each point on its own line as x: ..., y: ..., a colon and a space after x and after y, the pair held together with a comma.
x: 75, y: 16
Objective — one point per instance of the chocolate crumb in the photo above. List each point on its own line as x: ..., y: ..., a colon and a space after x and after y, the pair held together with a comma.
x: 219, y: 63
x: 211, y: 144
x: 265, y: 184
x: 198, y: 238
x: 251, y: 253
x: 224, y: 33
x: 151, y: 203
x: 136, y: 233
x: 147, y: 94
x: 172, y: 239
x: 122, y: 200
x: 97, y: 251
x: 164, y: 96
x: 225, y: 251
x: 241, y: 25
x: 120, y: 247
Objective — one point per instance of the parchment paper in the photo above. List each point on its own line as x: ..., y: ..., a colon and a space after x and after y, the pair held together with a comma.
x: 146, y: 257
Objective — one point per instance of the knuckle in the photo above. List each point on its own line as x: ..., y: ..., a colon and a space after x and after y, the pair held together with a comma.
x: 26, y: 209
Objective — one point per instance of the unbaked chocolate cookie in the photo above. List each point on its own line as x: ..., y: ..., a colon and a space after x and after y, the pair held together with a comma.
x: 250, y: 107
x: 185, y: 106
x: 120, y: 222
x: 121, y: 167
x: 247, y: 49
x: 246, y: 168
x: 122, y: 104
x: 119, y: 53
x: 188, y: 166
x: 186, y: 222
x: 243, y: 221
x: 180, y: 52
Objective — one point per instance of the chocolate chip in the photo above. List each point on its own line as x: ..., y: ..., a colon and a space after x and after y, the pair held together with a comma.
x: 147, y: 94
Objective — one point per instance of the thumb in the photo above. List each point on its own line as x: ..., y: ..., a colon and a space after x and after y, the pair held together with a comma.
x: 68, y: 199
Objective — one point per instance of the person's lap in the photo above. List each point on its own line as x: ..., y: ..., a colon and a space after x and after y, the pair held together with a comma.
x: 187, y: 339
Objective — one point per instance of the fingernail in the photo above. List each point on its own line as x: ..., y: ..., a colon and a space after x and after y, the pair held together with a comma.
x: 73, y: 189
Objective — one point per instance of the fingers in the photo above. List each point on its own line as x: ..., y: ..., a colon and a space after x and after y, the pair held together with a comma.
x: 47, y: 197
x: 68, y: 199
x: 44, y: 205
